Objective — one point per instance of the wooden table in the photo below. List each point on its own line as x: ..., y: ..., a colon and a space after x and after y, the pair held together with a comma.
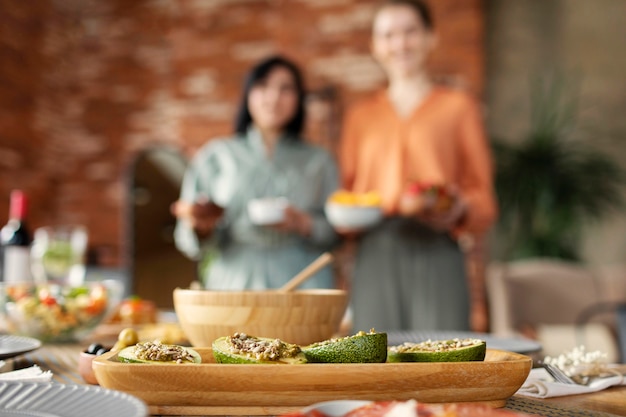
x: 62, y: 360
x: 612, y: 401
x: 609, y: 402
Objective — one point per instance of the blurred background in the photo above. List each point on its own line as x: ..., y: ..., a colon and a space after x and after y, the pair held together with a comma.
x: 103, y: 101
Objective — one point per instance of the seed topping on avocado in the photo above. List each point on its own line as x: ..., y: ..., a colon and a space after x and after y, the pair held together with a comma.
x: 337, y: 339
x: 156, y: 351
x: 435, y: 346
x: 261, y: 349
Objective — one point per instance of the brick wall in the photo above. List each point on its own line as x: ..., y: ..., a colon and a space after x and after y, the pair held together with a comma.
x: 87, y: 84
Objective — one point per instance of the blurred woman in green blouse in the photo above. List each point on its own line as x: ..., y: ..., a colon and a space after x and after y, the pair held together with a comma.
x: 265, y: 158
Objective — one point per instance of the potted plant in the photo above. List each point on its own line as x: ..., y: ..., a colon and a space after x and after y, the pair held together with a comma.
x: 550, y: 185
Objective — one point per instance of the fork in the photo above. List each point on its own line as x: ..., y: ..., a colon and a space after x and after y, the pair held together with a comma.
x: 558, y: 375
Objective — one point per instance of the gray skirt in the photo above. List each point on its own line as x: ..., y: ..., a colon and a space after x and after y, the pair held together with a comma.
x: 408, y: 277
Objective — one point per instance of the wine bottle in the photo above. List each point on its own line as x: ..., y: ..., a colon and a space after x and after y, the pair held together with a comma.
x: 15, y: 240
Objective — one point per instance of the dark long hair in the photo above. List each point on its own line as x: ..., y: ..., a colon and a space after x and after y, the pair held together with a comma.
x: 419, y: 7
x: 258, y: 74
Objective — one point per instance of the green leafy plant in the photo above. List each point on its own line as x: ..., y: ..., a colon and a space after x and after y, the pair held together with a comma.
x: 550, y: 185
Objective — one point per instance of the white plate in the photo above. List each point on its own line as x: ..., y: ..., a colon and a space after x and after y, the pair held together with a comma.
x: 340, y: 408
x: 511, y: 344
x: 11, y: 346
x: 336, y: 408
x: 61, y: 400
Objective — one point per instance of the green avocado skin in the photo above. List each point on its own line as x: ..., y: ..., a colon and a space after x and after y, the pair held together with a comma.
x: 368, y: 348
x: 469, y: 354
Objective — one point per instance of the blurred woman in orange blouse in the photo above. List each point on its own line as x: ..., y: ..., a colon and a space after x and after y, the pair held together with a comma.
x: 410, y: 271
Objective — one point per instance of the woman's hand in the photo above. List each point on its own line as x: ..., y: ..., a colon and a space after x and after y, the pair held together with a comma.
x: 202, y: 216
x: 295, y: 221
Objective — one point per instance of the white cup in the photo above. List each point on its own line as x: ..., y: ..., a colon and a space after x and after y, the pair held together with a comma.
x: 267, y: 211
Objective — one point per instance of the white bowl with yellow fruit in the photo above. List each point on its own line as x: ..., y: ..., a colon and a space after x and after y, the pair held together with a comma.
x: 351, y: 211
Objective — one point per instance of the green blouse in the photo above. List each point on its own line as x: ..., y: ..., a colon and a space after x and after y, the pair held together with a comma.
x: 233, y: 171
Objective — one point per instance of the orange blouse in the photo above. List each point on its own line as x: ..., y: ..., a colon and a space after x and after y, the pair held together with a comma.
x: 441, y: 142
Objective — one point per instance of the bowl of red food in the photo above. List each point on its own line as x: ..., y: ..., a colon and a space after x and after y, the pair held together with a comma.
x: 421, y: 197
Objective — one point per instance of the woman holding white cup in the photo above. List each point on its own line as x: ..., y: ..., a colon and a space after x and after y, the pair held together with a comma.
x: 255, y: 201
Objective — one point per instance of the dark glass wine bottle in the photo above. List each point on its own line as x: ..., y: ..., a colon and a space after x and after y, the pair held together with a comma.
x: 15, y: 239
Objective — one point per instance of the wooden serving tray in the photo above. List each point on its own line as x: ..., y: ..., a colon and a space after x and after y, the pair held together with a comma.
x: 219, y: 389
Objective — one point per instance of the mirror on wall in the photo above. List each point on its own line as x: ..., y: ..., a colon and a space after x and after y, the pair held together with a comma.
x: 156, y: 267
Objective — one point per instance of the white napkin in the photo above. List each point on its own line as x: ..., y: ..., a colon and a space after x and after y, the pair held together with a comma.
x: 540, y: 384
x: 32, y: 374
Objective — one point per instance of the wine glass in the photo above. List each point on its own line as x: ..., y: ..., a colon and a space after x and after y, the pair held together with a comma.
x: 58, y: 254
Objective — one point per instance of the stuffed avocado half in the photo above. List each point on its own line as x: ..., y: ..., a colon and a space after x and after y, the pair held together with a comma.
x: 363, y: 347
x: 453, y: 350
x: 243, y: 348
x: 157, y: 352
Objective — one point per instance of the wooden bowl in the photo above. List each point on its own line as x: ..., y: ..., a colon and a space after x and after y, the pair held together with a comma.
x: 301, y: 316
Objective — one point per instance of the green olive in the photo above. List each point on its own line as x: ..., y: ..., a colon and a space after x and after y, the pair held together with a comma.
x: 128, y: 336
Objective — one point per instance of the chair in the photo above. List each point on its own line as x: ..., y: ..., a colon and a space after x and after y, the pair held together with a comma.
x: 619, y: 310
x: 550, y: 300
x: 621, y: 331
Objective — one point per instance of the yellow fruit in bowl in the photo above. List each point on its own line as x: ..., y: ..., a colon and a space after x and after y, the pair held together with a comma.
x: 342, y: 197
x: 349, y: 198
x: 371, y: 198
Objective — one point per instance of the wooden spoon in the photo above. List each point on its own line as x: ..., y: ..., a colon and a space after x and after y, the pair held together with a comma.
x: 310, y: 270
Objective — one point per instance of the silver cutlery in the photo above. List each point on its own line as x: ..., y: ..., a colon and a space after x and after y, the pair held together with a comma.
x: 558, y: 375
